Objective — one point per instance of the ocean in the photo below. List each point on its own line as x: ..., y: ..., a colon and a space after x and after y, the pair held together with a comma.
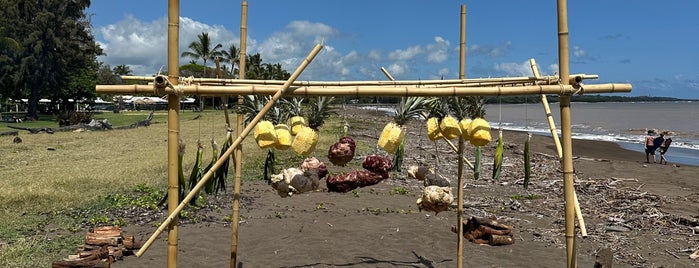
x: 624, y: 123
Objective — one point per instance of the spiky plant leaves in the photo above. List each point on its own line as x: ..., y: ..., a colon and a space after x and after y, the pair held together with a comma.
x: 269, y: 167
x: 196, y: 174
x: 319, y: 110
x: 527, y: 162
x: 398, y: 157
x: 497, y: 158
x: 222, y: 172
x: 209, y: 186
x: 477, y: 163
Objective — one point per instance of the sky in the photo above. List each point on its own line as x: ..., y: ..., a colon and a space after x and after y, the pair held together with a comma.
x: 654, y: 45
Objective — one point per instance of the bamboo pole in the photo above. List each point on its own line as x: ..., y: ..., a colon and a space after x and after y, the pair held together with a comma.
x: 228, y: 152
x: 415, y: 90
x: 238, y: 152
x: 566, y: 135
x: 224, y: 99
x: 476, y: 81
x: 554, y: 134
x: 460, y: 151
x: 545, y: 103
x: 173, y: 126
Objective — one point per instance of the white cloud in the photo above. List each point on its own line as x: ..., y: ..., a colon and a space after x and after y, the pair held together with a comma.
x: 405, y: 54
x: 514, y: 69
x: 143, y: 45
x: 439, y: 51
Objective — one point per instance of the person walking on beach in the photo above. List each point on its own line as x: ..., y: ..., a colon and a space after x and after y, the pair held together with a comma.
x: 663, y: 148
x: 650, y: 146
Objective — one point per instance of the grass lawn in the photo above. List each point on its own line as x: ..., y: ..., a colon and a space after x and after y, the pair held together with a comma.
x: 56, y: 186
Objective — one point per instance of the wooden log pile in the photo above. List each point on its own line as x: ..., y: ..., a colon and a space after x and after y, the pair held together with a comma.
x: 487, y: 231
x: 103, y: 246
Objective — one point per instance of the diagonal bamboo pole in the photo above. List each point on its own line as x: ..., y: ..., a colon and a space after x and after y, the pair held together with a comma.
x: 556, y: 141
x: 566, y: 135
x: 460, y: 151
x: 173, y: 129
x: 227, y: 153
x: 238, y: 153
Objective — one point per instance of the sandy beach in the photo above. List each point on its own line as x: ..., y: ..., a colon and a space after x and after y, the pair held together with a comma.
x: 646, y: 214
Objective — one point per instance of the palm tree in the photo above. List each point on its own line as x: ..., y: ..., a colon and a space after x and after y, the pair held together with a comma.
x: 231, y: 56
x: 122, y: 70
x: 202, y: 49
x: 253, y: 67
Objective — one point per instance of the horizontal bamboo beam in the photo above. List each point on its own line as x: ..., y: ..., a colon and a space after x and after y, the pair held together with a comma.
x: 510, y: 80
x: 399, y: 91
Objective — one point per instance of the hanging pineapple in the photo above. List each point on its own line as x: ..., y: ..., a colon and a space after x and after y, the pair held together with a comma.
x: 393, y: 133
x: 449, y: 127
x: 434, y: 113
x: 479, y: 129
x: 295, y: 109
x: 307, y: 136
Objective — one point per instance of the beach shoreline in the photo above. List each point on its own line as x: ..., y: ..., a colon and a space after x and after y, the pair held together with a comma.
x: 644, y: 213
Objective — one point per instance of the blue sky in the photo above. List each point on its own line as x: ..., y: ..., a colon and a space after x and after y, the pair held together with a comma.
x: 650, y: 44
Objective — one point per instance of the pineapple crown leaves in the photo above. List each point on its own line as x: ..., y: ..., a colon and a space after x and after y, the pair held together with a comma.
x: 459, y: 107
x: 475, y: 106
x: 410, y: 107
x: 293, y: 106
x: 253, y: 104
x: 435, y: 107
x: 318, y: 110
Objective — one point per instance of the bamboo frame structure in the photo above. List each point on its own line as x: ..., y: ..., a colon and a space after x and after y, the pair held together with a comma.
x: 509, y: 86
x: 192, y: 193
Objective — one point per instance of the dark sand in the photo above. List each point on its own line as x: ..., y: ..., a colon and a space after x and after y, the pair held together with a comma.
x: 656, y: 206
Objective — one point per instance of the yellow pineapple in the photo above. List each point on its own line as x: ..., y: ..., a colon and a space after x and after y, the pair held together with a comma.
x: 479, y: 129
x: 265, y: 134
x: 449, y: 127
x: 283, y: 137
x: 433, y: 130
x: 393, y: 133
x: 307, y: 136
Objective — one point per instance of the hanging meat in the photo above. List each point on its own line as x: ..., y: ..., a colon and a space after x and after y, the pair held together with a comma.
x: 342, y: 151
x: 376, y: 169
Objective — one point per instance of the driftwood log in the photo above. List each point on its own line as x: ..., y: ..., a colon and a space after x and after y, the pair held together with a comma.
x: 94, y: 125
x: 487, y: 231
x: 103, y: 245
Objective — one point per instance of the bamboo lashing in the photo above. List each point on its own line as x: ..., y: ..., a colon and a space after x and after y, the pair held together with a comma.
x: 238, y: 151
x: 173, y: 215
x: 554, y: 134
x: 413, y: 90
x: 460, y: 152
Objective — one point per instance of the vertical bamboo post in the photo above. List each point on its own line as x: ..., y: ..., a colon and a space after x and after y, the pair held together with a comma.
x: 195, y: 190
x: 238, y: 153
x: 460, y: 151
x: 566, y: 135
x: 173, y: 127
